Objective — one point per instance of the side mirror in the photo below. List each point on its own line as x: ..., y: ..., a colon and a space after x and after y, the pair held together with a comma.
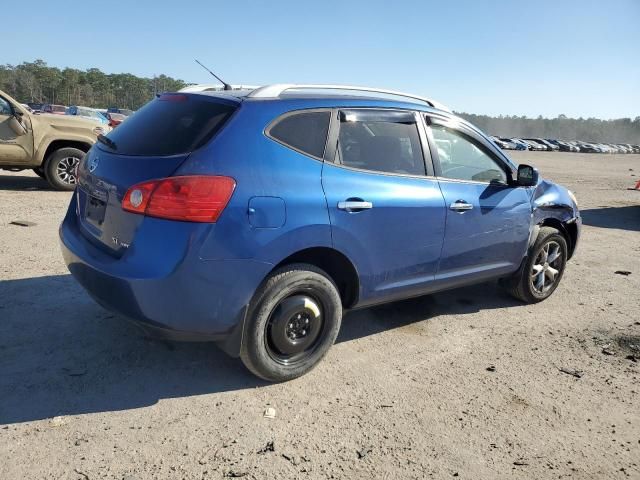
x: 527, y: 176
x: 17, y: 126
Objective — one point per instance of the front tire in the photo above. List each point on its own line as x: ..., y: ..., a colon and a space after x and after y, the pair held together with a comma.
x: 541, y: 274
x: 292, y: 321
x: 61, y: 168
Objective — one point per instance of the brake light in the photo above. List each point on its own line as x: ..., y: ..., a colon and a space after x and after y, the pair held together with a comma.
x: 173, y: 97
x: 188, y: 198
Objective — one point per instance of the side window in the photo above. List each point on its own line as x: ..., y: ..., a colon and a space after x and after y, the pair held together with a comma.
x: 5, y: 108
x: 462, y: 159
x: 303, y: 131
x: 379, y: 141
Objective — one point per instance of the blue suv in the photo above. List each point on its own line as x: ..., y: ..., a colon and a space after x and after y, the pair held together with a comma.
x: 255, y: 218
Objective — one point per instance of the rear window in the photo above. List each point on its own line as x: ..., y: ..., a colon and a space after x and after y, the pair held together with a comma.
x: 303, y: 131
x: 170, y: 125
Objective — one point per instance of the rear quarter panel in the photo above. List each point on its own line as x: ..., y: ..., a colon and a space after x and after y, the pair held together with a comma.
x: 262, y: 168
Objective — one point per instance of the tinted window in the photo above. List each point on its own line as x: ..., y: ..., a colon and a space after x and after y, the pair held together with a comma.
x: 381, y: 144
x: 461, y: 159
x: 304, y: 131
x: 170, y: 125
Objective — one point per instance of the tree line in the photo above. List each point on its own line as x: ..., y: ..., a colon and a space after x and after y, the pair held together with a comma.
x: 621, y: 130
x: 37, y: 82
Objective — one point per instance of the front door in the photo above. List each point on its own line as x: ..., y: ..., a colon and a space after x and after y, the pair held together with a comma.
x: 488, y: 217
x: 14, y: 149
x: 387, y: 214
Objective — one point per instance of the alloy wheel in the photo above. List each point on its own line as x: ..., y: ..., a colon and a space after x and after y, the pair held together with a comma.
x: 66, y: 170
x: 546, y: 269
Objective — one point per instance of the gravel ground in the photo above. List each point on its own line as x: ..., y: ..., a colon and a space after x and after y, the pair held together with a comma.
x: 466, y: 384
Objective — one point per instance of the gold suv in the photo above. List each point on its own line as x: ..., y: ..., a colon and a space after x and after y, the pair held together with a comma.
x: 50, y: 145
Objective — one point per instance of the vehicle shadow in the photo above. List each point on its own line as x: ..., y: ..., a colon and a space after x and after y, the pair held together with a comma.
x: 402, y: 314
x: 61, y: 354
x: 622, y: 218
x: 23, y: 181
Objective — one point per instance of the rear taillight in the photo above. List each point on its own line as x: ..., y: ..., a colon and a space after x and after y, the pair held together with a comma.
x: 189, y: 198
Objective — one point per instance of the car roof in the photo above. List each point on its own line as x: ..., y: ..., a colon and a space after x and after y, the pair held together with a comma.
x: 299, y: 101
x: 318, y: 94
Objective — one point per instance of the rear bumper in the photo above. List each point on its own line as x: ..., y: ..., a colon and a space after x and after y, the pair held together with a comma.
x: 192, y: 299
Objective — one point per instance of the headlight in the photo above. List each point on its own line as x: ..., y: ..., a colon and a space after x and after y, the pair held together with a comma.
x: 573, y: 197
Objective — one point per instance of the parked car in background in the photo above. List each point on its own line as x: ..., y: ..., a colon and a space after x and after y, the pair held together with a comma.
x: 574, y: 148
x: 576, y: 145
x: 351, y: 209
x: 89, y: 113
x: 513, y: 145
x: 54, y: 109
x: 563, y: 146
x: 50, y: 145
x: 616, y: 148
x: 536, y: 145
x: 35, y: 107
x: 605, y: 148
x: 504, y: 145
x: 626, y: 148
x: 588, y: 147
x: 546, y: 145
x: 522, y: 143
x: 552, y: 146
x: 115, y: 119
x: 123, y: 111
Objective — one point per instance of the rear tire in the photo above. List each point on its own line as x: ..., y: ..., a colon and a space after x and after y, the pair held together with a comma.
x: 61, y: 167
x: 541, y: 273
x: 292, y: 321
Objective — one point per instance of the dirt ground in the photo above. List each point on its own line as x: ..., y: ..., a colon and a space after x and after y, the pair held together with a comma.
x: 465, y: 384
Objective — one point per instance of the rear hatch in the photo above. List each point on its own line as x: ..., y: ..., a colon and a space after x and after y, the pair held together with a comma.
x: 151, y: 144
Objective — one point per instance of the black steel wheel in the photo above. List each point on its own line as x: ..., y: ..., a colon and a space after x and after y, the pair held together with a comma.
x: 294, y: 328
x: 292, y: 321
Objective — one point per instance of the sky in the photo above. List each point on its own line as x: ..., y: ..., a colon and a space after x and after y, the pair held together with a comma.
x: 510, y: 57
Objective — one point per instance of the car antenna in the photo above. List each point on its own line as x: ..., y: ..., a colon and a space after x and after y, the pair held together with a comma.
x: 226, y: 85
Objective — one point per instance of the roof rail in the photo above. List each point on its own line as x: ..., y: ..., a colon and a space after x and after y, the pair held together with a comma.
x: 214, y: 87
x: 275, y: 90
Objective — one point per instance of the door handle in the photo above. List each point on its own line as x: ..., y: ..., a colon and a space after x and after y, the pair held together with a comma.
x: 354, y: 205
x: 460, y: 206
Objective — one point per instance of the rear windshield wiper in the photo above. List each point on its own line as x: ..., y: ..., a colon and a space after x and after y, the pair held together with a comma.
x: 108, y: 142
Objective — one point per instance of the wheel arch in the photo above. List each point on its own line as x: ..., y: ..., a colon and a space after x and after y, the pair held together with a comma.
x: 337, y: 265
x: 569, y: 231
x: 58, y: 144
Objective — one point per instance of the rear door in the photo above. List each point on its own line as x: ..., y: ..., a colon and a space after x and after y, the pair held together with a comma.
x: 488, y: 218
x: 151, y: 144
x: 386, y: 209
